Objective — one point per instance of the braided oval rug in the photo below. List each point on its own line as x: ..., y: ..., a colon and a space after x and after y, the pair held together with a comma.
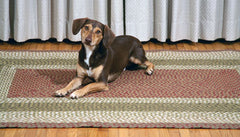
x: 187, y: 90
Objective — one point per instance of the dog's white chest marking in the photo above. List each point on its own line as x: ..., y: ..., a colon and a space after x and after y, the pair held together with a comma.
x: 89, y: 51
x: 89, y: 72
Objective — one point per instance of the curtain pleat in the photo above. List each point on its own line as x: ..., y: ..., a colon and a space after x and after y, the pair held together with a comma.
x: 139, y: 18
x: 162, y: 13
x: 117, y: 16
x: 231, y: 20
x: 4, y: 20
x: 44, y: 26
x: 144, y: 19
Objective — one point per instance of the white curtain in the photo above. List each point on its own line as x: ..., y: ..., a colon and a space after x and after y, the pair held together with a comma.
x: 145, y: 19
x: 183, y: 19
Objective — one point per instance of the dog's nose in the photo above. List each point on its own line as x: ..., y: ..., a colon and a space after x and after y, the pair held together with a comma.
x: 88, y: 40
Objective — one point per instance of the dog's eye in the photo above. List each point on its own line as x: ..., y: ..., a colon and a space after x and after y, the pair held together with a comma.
x: 86, y: 28
x: 98, y: 31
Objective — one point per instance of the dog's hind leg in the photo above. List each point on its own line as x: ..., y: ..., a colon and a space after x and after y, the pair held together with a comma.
x: 145, y: 62
x: 138, y: 57
x: 150, y: 67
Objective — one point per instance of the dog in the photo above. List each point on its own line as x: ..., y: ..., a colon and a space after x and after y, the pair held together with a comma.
x: 103, y: 57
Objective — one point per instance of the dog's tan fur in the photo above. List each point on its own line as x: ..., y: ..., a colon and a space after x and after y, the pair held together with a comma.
x: 96, y: 35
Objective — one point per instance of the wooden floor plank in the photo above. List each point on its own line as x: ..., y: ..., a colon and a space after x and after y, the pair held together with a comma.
x: 187, y: 46
x: 41, y: 132
x: 93, y: 132
x: 10, y: 132
x: 134, y: 132
x: 164, y: 132
x: 194, y: 132
x: 230, y: 45
x: 2, y: 133
x: 51, y: 132
x: 155, y: 46
x: 236, y: 45
x: 82, y: 132
x: 180, y: 46
x: 219, y: 46
x: 30, y: 133
x: 103, y: 132
x: 235, y: 133
x: 225, y: 133
x: 185, y: 133
x: 205, y: 133
x: 174, y: 132
x: 194, y: 46
x: 173, y: 47
x: 142, y: 132
x: 72, y: 132
x: 214, y: 133
x: 146, y: 46
x: 166, y: 46
x: 20, y: 133
x: 201, y: 46
x: 209, y: 46
x: 153, y: 132
x: 62, y: 132
x: 76, y: 47
x: 123, y: 132
x: 113, y: 132
x: 51, y: 47
x: 64, y: 46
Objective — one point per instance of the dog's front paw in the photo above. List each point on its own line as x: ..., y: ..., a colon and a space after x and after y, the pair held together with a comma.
x: 149, y: 71
x: 77, y: 94
x: 61, y: 93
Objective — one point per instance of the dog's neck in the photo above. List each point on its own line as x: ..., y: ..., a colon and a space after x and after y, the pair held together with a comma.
x: 89, y: 50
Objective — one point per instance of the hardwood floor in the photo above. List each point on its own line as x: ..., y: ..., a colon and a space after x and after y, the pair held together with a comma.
x: 150, y: 45
x: 120, y: 132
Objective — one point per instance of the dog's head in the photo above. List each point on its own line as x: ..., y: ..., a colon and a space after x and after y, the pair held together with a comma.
x: 93, y: 32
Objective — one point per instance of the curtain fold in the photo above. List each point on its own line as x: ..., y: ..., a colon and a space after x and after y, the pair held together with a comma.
x: 4, y: 20
x: 117, y: 16
x: 139, y: 18
x: 144, y: 19
x: 183, y: 19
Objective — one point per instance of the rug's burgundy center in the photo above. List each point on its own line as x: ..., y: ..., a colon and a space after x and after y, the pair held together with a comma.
x: 190, y: 83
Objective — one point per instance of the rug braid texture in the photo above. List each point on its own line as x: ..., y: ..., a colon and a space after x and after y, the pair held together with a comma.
x: 187, y: 90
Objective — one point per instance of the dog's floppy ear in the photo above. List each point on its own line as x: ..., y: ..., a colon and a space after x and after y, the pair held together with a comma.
x: 108, y: 36
x: 78, y: 24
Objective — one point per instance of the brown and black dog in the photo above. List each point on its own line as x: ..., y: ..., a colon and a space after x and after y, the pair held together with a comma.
x: 103, y: 57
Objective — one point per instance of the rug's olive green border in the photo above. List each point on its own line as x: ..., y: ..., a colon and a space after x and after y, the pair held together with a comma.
x: 118, y: 112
